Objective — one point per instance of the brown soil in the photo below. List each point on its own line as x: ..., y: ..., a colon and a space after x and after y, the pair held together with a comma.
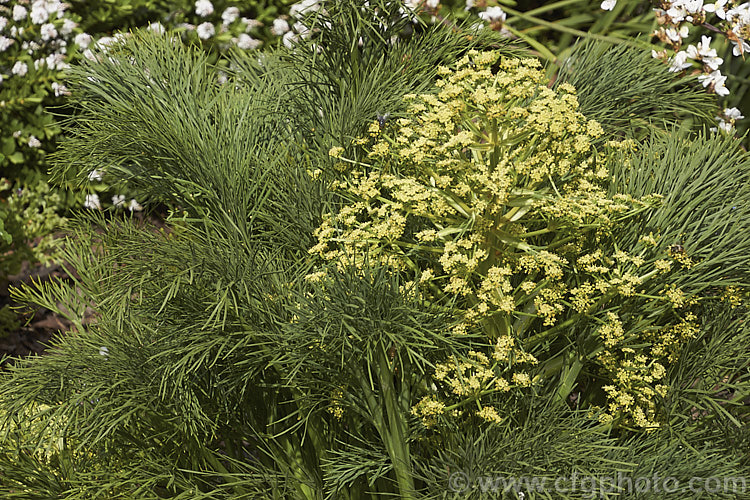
x: 37, y: 328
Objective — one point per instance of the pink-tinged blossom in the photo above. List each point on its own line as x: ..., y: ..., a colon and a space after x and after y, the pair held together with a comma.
x: 83, y: 40
x: 39, y: 14
x: 19, y: 13
x: 67, y: 27
x: 280, y: 26
x: 205, y: 31
x: 289, y: 39
x: 92, y: 202
x: 56, y: 61
x: 60, y: 89
x: 493, y: 14
x: 5, y: 43
x: 251, y: 24
x: 230, y: 15
x: 134, y: 206
x: 204, y: 8
x: 48, y: 32
x: 20, y: 68
x: 304, y: 7
x: 246, y: 42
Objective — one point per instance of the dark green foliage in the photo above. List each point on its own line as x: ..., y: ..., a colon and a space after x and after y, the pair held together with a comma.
x: 626, y: 90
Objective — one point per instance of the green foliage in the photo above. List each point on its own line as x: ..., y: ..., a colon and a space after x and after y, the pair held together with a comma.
x: 213, y: 368
x: 636, y: 88
x: 9, y: 321
x: 29, y: 215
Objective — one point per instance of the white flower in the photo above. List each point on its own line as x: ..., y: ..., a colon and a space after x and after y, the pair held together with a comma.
x: 280, y: 26
x: 34, y: 142
x: 679, y: 62
x: 134, y: 206
x: 52, y: 6
x: 412, y: 4
x: 289, y: 39
x: 739, y: 14
x: 104, y: 42
x: 723, y: 126
x: 704, y: 47
x: 205, y: 30
x: 118, y: 200
x: 608, y: 4
x: 432, y: 4
x: 717, y: 8
x: 300, y: 28
x: 103, y: 351
x: 59, y: 89
x: 38, y: 63
x: 251, y: 24
x: 230, y: 15
x: 95, y: 175
x: 67, y: 27
x: 204, y: 8
x: 83, y: 40
x: 5, y: 43
x: 738, y: 49
x: 493, y: 14
x: 19, y: 13
x: 675, y: 35
x: 48, y: 31
x: 3, y: 23
x: 56, y: 61
x: 717, y: 80
x: 156, y: 28
x: 469, y: 4
x: 39, y: 14
x: 20, y: 68
x: 705, y: 53
x: 733, y: 114
x: 92, y: 201
x: 713, y: 62
x: 299, y: 9
x: 246, y: 42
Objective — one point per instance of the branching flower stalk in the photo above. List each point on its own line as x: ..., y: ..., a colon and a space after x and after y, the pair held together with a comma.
x: 494, y: 197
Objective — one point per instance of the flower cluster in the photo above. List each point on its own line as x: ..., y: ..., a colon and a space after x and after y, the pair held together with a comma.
x: 474, y: 381
x: 493, y: 195
x: 729, y: 18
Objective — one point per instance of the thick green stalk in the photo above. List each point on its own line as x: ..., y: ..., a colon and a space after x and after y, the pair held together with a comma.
x: 395, y: 436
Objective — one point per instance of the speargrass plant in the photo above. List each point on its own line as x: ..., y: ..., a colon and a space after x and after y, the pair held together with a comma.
x: 489, y: 282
